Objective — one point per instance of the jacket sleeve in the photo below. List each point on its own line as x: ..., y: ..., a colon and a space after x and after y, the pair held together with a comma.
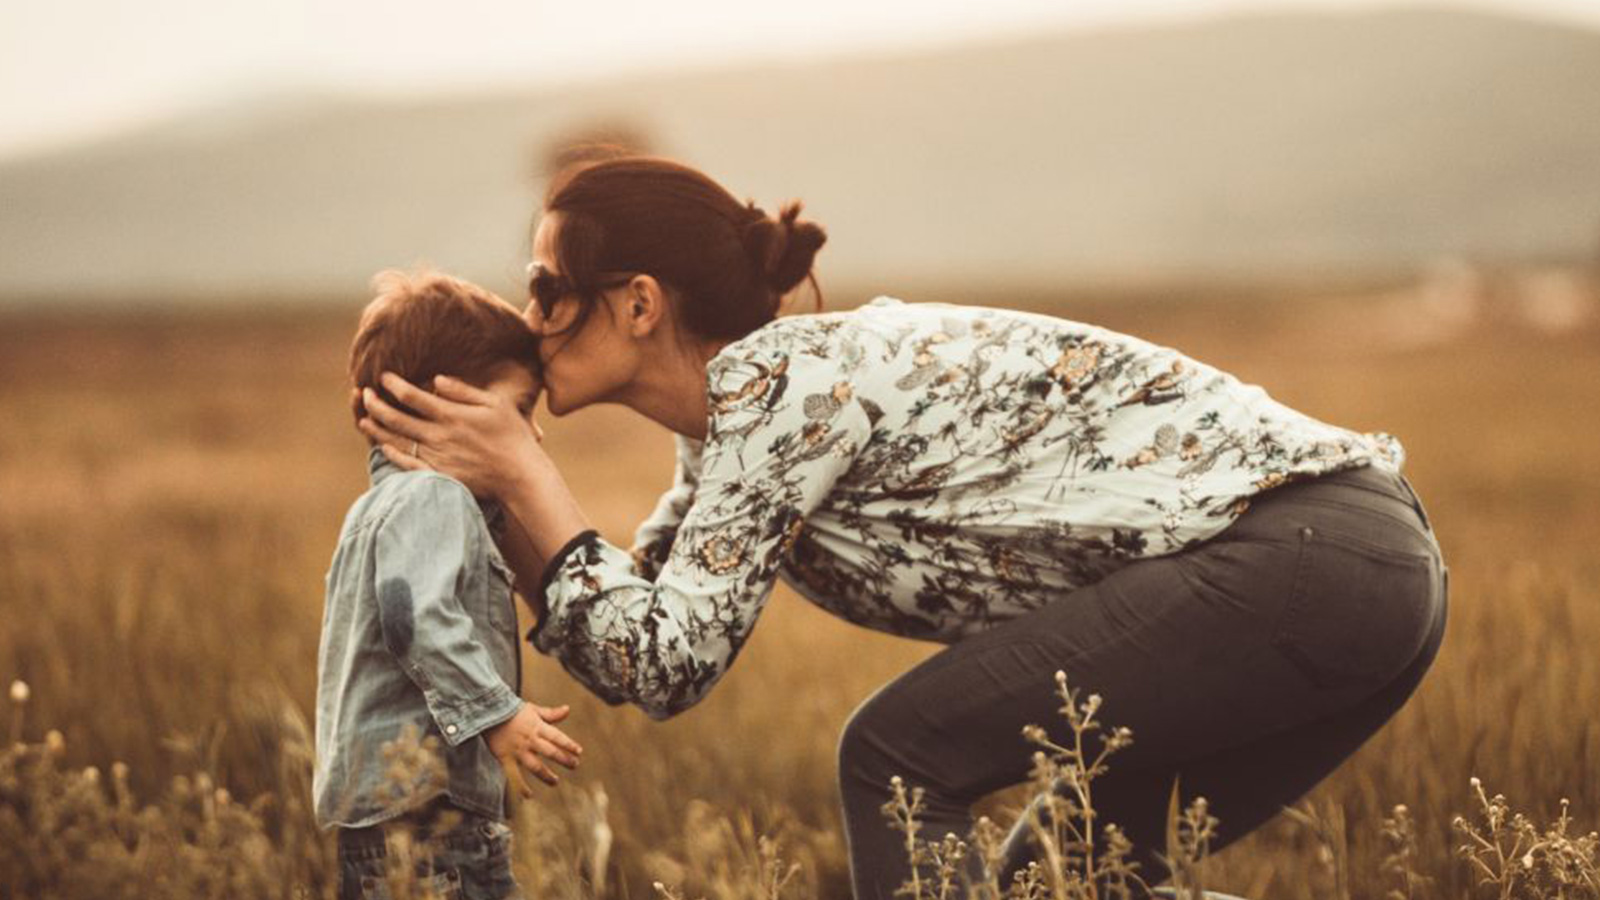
x: 653, y: 540
x: 423, y: 547
x: 783, y: 429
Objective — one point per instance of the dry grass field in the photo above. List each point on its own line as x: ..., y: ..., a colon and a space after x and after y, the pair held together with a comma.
x: 171, y: 485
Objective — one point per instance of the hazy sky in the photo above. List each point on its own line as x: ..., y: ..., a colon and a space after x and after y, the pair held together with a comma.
x: 71, y: 69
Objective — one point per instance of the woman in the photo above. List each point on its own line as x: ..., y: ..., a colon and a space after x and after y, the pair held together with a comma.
x: 1253, y: 591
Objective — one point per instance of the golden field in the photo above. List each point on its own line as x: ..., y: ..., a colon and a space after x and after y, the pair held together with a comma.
x: 171, y: 485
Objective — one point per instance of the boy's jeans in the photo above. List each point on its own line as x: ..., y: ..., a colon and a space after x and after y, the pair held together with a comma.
x: 438, y: 853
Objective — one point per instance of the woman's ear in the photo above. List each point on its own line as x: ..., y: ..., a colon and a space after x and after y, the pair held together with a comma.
x: 645, y: 305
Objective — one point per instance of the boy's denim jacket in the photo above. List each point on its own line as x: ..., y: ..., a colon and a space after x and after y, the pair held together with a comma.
x: 419, y: 636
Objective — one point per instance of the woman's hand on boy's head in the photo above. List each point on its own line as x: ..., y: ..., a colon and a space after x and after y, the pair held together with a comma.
x: 465, y: 432
x: 458, y: 390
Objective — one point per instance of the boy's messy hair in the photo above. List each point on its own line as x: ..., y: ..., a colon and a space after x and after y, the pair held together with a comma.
x: 426, y: 323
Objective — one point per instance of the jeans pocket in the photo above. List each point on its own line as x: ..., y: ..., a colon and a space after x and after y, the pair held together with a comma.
x: 495, y: 881
x: 477, y: 854
x: 374, y: 883
x: 1358, y: 612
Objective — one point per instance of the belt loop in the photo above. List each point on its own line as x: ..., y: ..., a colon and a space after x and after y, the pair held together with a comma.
x: 1416, y: 502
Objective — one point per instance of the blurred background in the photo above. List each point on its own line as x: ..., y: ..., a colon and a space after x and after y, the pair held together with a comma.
x: 178, y: 151
x: 1388, y: 215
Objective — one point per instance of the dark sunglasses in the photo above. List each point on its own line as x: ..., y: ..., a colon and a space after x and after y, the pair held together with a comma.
x: 546, y: 287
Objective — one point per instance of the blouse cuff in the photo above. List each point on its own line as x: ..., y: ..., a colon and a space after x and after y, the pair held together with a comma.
x: 552, y: 567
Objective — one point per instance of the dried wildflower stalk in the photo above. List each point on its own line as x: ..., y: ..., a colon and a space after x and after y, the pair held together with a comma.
x: 726, y: 858
x: 1333, y: 853
x: 1399, y: 833
x: 1078, y: 858
x: 19, y: 700
x: 1189, y: 834
x: 600, y: 838
x: 197, y: 841
x: 1515, y: 858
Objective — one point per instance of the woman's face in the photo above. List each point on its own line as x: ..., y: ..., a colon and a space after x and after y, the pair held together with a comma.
x: 593, y: 363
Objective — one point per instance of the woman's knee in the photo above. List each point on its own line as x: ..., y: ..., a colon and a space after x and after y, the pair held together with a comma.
x: 864, y: 754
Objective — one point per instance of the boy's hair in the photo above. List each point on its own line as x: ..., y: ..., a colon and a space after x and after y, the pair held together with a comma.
x: 426, y: 323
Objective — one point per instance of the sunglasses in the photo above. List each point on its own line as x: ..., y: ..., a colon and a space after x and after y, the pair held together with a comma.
x: 546, y: 287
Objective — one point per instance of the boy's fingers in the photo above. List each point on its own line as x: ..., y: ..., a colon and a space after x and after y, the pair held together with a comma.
x: 550, y: 750
x: 559, y: 738
x: 515, y: 777
x: 553, y: 714
x: 532, y: 762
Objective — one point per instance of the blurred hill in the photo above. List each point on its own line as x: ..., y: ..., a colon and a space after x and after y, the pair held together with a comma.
x: 1239, y: 148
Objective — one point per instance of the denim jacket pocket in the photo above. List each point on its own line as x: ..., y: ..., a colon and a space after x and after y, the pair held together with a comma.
x: 500, y: 586
x: 1358, y: 612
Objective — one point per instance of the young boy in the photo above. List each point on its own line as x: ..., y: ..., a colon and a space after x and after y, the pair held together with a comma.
x: 419, y: 631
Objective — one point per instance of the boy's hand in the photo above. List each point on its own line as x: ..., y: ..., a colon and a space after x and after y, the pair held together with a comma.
x: 528, y: 738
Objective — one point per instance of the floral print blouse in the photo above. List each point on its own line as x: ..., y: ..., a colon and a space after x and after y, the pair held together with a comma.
x: 922, y: 469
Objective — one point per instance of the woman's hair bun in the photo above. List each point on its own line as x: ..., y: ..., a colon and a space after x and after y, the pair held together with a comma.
x: 729, y: 264
x: 784, y: 248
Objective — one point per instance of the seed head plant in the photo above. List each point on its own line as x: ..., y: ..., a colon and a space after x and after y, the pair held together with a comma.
x: 1512, y: 857
x: 1076, y: 856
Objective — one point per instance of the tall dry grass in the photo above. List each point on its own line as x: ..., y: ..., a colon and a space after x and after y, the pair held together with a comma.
x: 171, y: 486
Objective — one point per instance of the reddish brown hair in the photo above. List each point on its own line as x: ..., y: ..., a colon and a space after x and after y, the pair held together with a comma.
x: 730, y: 263
x: 425, y: 324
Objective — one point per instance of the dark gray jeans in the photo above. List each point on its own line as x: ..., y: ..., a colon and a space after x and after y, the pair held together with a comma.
x: 1251, y: 665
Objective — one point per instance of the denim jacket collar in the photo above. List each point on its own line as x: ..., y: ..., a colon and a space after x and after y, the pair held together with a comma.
x: 379, y: 467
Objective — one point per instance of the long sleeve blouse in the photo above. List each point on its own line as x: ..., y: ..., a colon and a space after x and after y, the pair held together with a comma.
x: 922, y: 469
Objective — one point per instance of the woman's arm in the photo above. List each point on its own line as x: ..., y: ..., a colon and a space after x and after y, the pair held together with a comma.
x: 782, y: 432
x: 653, y: 539
x: 517, y: 547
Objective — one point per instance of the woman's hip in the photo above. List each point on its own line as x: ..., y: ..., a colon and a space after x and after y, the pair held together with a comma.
x: 1339, y: 577
x: 1345, y: 569
x: 1374, y: 506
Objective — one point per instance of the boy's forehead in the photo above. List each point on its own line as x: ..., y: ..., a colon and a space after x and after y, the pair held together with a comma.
x: 530, y: 383
x: 514, y: 376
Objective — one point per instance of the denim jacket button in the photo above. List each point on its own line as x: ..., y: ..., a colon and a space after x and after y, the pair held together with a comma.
x: 450, y: 729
